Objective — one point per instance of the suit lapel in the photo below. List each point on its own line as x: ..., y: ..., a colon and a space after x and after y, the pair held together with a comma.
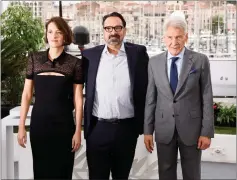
x: 186, y: 67
x: 94, y: 64
x: 164, y: 74
x: 130, y: 52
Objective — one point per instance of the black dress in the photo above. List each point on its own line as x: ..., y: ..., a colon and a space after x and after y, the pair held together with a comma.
x: 52, y: 125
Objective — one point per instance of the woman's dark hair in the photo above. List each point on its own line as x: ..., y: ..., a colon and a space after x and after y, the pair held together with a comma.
x: 114, y: 14
x: 63, y: 26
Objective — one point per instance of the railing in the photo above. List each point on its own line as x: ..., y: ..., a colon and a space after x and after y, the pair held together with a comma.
x: 17, y: 162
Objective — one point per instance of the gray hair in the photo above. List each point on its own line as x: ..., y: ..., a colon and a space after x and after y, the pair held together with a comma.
x: 177, y: 22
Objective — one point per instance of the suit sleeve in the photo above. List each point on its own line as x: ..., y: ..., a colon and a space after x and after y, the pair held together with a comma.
x: 207, y: 100
x: 141, y: 86
x: 85, y: 66
x: 150, y: 105
x: 145, y: 60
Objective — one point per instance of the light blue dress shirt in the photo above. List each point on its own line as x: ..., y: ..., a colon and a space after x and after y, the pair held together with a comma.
x: 178, y: 63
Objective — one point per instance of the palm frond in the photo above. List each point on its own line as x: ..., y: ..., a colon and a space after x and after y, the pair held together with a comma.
x: 13, y: 56
x: 10, y: 48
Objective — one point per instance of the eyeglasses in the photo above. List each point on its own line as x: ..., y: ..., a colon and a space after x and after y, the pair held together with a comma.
x: 115, y: 28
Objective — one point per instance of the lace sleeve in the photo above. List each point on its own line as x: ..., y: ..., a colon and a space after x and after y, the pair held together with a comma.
x: 78, y: 72
x: 29, y: 68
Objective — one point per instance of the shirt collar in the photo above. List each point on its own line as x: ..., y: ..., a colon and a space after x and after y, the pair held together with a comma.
x: 60, y: 58
x: 180, y: 55
x: 122, y: 48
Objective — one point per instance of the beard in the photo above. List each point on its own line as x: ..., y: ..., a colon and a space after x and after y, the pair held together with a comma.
x: 114, y: 39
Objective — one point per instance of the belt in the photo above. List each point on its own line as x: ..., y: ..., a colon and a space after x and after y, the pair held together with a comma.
x: 115, y: 120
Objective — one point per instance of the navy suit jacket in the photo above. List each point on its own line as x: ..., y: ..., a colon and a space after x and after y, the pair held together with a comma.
x: 137, y: 62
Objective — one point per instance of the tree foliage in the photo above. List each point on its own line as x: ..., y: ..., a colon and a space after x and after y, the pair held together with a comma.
x: 21, y: 33
x: 11, y: 51
x: 18, y: 22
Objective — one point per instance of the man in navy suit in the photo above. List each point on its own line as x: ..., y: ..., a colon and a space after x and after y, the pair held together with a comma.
x: 116, y: 81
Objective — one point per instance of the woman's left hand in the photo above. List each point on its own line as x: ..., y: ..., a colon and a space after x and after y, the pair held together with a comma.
x: 76, y: 141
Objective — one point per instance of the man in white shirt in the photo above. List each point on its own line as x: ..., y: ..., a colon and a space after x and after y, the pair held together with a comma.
x: 116, y: 83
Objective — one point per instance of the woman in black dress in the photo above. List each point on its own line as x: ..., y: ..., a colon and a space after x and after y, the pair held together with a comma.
x: 57, y: 78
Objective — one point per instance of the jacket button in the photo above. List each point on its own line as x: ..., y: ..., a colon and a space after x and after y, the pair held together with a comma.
x: 173, y: 115
x: 174, y: 101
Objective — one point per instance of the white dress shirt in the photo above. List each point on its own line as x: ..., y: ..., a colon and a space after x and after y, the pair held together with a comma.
x: 113, y: 92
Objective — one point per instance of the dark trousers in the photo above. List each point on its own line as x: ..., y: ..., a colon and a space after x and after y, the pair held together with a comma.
x: 167, y: 160
x: 111, y: 148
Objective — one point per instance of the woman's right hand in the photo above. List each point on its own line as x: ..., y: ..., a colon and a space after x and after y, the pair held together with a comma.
x: 21, y: 137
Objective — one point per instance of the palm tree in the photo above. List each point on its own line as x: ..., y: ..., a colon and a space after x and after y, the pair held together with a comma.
x: 12, y: 61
